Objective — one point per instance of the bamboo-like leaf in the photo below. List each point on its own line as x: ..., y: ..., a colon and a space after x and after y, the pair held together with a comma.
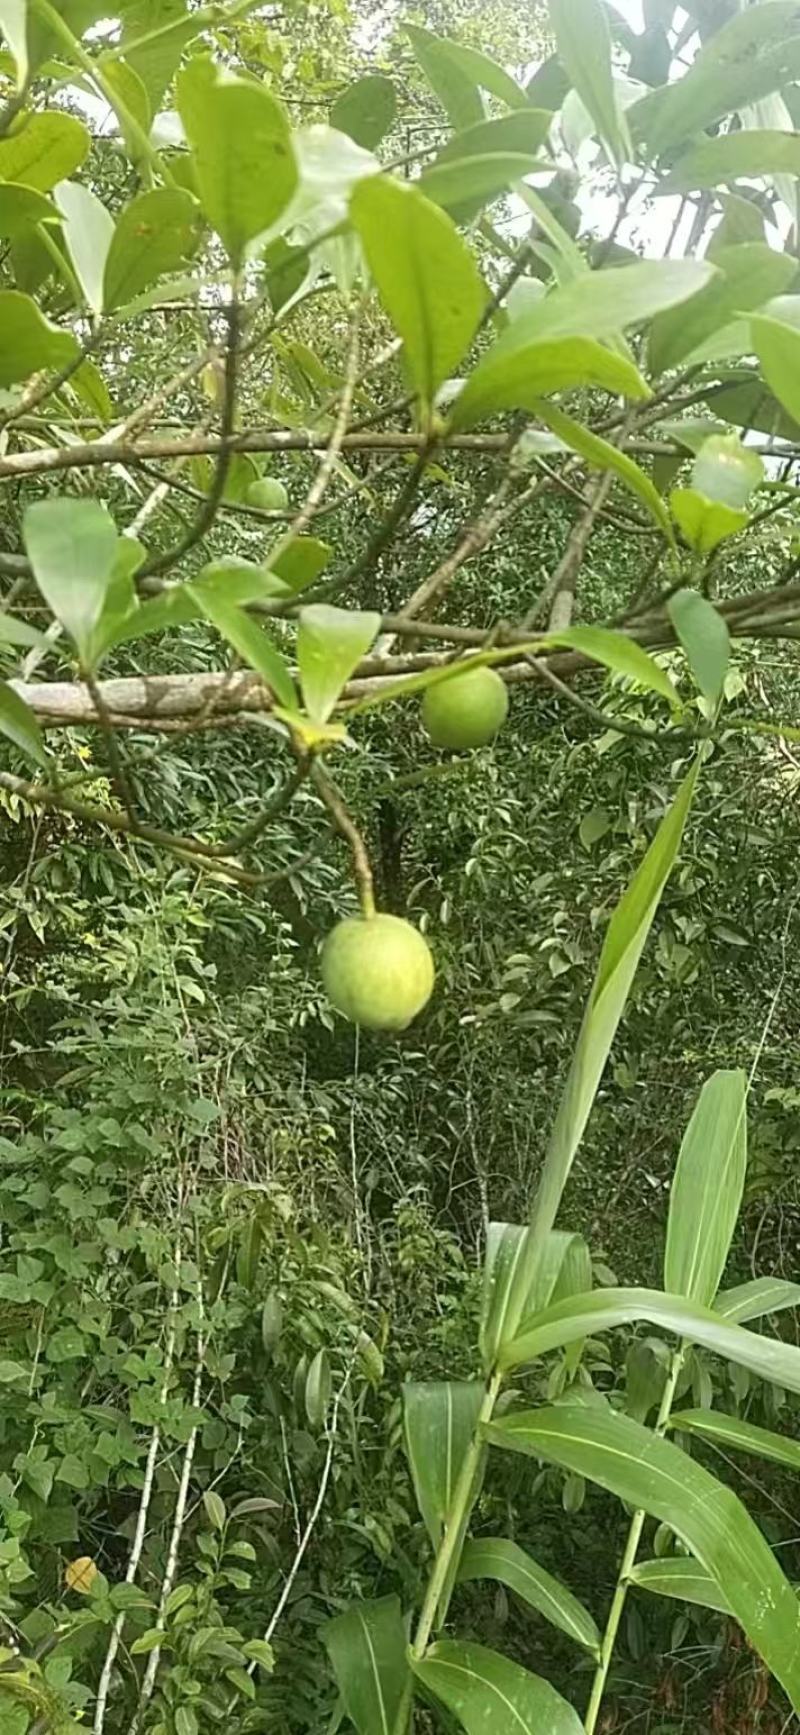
x: 504, y: 1248
x: 367, y: 1649
x: 583, y: 39
x: 729, y: 1432
x: 762, y: 1295
x: 439, y: 1420
x: 707, y: 1188
x: 751, y: 152
x: 495, y: 1557
x: 489, y: 1695
x: 648, y: 1472
x: 604, y: 1309
x: 683, y: 1578
x: 603, y: 456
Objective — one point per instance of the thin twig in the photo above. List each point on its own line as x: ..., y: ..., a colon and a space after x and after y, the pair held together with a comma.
x: 347, y: 828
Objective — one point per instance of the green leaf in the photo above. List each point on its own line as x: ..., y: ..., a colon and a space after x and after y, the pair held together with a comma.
x: 494, y: 1557
x: 300, y: 563
x: 425, y: 274
x: 683, y: 1578
x: 439, y: 1421
x: 489, y: 1695
x: 749, y: 153
x: 21, y: 207
x: 43, y: 149
x: 704, y: 636
x: 330, y: 644
x: 466, y: 184
x: 617, y: 652
x: 729, y: 1432
x: 88, y: 233
x: 367, y: 1649
x: 14, y: 26
x: 602, y: 303
x: 476, y: 67
x: 753, y: 1300
x: 28, y: 341
x: 521, y: 133
x: 130, y: 102
x: 583, y: 40
x: 242, y: 152
x: 90, y: 388
x: 726, y: 470
x: 747, y: 276
x: 504, y: 1248
x: 604, y: 456
x: 166, y: 25
x: 72, y: 546
x: 456, y: 89
x: 16, y: 632
x: 73, y: 1472
x: 709, y: 1177
x: 250, y: 640
x: 157, y: 232
x: 215, y: 1509
x: 623, y: 946
x: 186, y: 1721
x: 120, y: 605
x: 605, y: 1309
x: 19, y: 725
x: 231, y: 581
x: 702, y: 522
x: 367, y: 110
x: 11, y: 1372
x: 514, y: 375
x: 318, y: 1389
x: 260, y: 1651
x: 751, y: 55
x: 649, y: 1472
x: 777, y: 345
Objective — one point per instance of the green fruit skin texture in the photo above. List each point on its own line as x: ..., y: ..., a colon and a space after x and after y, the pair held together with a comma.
x: 268, y: 493
x: 466, y: 711
x: 377, y: 970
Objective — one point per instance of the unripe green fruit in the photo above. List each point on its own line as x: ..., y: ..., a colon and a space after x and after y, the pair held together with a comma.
x: 268, y: 493
x: 466, y: 711
x: 377, y: 970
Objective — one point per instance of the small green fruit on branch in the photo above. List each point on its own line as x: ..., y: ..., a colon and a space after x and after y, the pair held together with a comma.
x: 377, y: 970
x: 466, y: 712
x: 268, y: 493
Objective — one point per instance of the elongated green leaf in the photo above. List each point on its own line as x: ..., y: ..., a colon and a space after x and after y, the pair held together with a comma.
x: 160, y: 28
x: 747, y: 276
x: 43, y: 149
x: 706, y: 641
x: 756, y: 52
x: 468, y: 183
x: 604, y: 456
x: 88, y: 232
x: 439, y: 1420
x: 484, y: 72
x: 753, y: 1300
x: 603, y: 1309
x: 622, y: 949
x: 19, y: 725
x: 72, y: 547
x: 709, y: 1181
x: 367, y: 1649
x: 583, y: 39
x: 683, y: 1578
x: 157, y: 232
x: 488, y: 1695
x: 17, y: 632
x: 752, y: 151
x: 523, y: 132
x: 494, y: 1557
x: 516, y: 376
x: 456, y: 89
x: 366, y: 110
x: 252, y: 642
x: 14, y: 27
x: 330, y: 643
x: 649, y: 1472
x: 618, y: 653
x: 21, y: 207
x: 28, y: 341
x: 425, y: 274
x: 242, y: 152
x: 777, y: 346
x: 505, y: 1244
x: 120, y: 602
x: 602, y: 303
x: 730, y: 1433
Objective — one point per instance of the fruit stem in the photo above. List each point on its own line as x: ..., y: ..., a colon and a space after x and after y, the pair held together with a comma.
x: 347, y: 828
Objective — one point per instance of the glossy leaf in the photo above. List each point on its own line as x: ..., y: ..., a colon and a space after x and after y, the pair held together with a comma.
x: 683, y: 1578
x: 17, y: 632
x: 522, y: 133
x: 489, y: 1695
x: 468, y: 183
x: 425, y: 274
x: 602, y: 303
x: 28, y: 341
x: 650, y: 1473
x: 242, y: 152
x: 483, y: 72
x: 756, y: 1299
x: 300, y: 563
x: 494, y: 1557
x: 233, y: 581
x: 157, y: 232
x: 603, y: 456
x: 605, y: 1309
x: 439, y: 1421
x: 21, y: 207
x: 706, y: 642
x: 749, y: 153
x: 456, y: 89
x: 777, y: 345
x: 44, y: 149
x: 19, y: 725
x: 330, y: 644
x: 505, y: 1244
x: 708, y: 1184
x: 732, y: 1434
x: 366, y: 110
x: 367, y: 1649
x: 72, y: 546
x: 704, y: 523
x: 88, y: 232
x: 583, y: 39
x: 153, y: 35
x: 724, y: 469
x: 747, y: 276
x: 250, y: 640
x: 14, y: 30
x: 618, y: 653
x: 515, y: 375
x: 754, y: 53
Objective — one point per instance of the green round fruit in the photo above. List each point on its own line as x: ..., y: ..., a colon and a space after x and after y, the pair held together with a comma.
x: 377, y: 970
x: 466, y: 711
x: 268, y: 493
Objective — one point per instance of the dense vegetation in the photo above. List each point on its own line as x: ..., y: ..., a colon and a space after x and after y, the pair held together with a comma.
x: 250, y: 1360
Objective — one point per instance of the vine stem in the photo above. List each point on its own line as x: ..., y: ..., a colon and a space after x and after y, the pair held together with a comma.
x: 628, y: 1561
